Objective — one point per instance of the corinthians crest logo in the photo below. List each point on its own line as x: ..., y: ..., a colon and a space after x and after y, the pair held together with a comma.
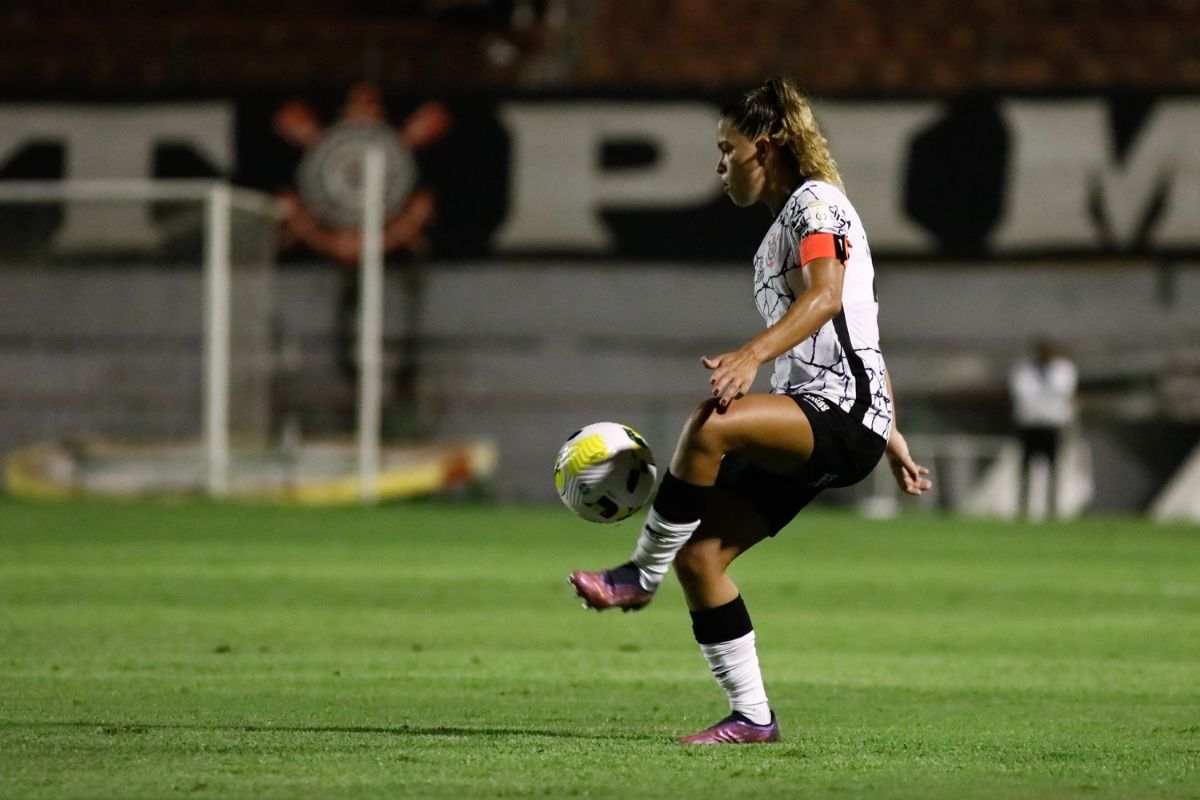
x: 325, y: 210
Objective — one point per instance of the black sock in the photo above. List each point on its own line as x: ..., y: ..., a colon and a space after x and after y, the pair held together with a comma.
x: 678, y: 501
x: 721, y: 624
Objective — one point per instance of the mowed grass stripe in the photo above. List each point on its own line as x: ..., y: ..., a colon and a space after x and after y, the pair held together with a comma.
x: 192, y: 649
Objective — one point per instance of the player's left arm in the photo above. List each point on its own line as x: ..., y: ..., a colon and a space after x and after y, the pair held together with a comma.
x: 821, y: 300
x: 911, y: 477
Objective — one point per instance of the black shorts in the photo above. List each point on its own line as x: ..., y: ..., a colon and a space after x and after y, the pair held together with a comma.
x: 844, y: 452
x: 1040, y: 441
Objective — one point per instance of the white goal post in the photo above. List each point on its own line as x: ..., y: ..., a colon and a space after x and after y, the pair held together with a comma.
x: 221, y: 201
x: 141, y: 354
x: 370, y: 335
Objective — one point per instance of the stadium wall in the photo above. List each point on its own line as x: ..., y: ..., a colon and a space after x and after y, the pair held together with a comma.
x: 524, y: 353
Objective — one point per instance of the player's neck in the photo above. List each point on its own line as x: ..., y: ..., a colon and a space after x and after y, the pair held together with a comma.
x: 778, y: 190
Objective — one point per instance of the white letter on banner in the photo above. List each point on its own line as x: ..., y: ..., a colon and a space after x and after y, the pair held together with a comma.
x: 1164, y: 156
x: 1057, y: 149
x: 116, y: 142
x: 1064, y: 155
x: 558, y: 186
x: 870, y: 142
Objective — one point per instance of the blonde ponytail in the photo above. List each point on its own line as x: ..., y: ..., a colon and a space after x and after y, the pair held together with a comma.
x: 778, y: 110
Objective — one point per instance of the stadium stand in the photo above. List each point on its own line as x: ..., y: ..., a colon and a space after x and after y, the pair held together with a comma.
x: 925, y: 46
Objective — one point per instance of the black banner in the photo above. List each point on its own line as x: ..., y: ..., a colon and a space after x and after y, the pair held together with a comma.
x: 634, y: 177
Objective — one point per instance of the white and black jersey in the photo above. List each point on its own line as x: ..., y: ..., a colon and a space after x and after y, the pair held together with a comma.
x: 841, y: 362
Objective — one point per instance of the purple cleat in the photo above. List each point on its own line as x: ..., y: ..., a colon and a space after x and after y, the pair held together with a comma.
x: 620, y: 587
x: 736, y: 729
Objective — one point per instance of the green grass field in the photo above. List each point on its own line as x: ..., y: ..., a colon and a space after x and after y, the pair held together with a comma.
x: 157, y: 650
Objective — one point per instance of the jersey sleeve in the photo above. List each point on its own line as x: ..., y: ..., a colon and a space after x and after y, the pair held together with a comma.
x: 818, y: 227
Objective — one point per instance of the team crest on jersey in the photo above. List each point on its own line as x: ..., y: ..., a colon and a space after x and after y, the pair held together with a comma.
x: 772, y: 250
x: 325, y: 210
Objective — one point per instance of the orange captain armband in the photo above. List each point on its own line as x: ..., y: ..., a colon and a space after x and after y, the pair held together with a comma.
x: 824, y: 245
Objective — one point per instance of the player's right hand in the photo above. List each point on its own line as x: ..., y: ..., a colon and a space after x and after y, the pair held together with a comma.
x: 733, y: 374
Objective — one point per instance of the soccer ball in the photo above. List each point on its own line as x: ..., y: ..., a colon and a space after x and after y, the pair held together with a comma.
x: 604, y: 472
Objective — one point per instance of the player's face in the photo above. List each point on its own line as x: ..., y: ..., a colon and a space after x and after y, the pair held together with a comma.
x: 740, y: 168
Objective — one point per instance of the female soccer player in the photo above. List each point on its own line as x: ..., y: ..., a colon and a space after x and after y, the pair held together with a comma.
x: 747, y: 463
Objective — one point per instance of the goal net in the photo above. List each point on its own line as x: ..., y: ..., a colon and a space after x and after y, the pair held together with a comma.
x: 140, y: 323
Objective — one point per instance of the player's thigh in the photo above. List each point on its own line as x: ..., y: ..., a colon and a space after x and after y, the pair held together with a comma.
x: 769, y: 429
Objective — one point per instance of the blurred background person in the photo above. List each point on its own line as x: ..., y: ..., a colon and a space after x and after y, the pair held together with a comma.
x: 1042, y: 386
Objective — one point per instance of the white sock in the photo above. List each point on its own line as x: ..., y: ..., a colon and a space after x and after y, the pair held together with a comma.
x: 735, y: 666
x: 657, y: 545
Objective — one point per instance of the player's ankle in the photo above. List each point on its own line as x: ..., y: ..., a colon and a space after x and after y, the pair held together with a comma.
x: 649, y: 581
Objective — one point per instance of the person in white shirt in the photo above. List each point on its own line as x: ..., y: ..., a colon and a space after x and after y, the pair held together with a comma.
x: 1043, y: 389
x: 748, y: 462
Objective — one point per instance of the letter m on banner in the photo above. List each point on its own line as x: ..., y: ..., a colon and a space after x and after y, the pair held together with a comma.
x: 1067, y: 189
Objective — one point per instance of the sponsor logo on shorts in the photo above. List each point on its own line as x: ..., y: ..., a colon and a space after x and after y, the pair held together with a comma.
x: 815, y: 402
x: 823, y: 481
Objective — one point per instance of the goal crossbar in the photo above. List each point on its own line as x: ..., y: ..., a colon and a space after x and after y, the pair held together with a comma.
x: 220, y: 200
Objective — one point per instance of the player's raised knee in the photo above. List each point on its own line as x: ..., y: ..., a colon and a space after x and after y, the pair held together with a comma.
x: 707, y: 425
